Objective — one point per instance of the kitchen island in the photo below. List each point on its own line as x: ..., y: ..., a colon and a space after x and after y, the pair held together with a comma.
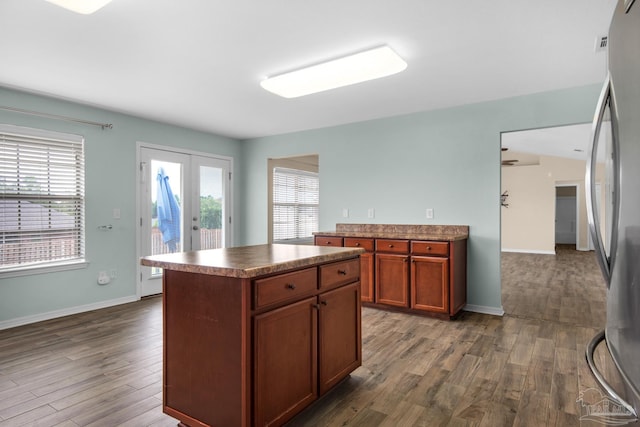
x: 253, y: 335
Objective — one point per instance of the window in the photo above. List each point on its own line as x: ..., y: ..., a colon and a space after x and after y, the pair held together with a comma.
x: 295, y: 204
x: 41, y: 198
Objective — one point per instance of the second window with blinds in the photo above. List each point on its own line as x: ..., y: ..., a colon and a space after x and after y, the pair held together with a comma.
x: 294, y: 199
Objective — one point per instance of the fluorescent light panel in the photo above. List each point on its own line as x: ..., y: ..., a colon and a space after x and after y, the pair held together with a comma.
x: 84, y: 7
x: 360, y: 67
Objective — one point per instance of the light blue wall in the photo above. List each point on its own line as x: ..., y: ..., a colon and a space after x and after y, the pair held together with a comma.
x: 110, y: 183
x: 448, y: 160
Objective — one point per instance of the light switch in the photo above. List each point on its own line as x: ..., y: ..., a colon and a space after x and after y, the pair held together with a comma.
x: 371, y: 213
x: 429, y: 213
x: 345, y: 213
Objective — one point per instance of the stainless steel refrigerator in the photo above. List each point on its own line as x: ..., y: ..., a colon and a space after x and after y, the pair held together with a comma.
x: 614, y: 213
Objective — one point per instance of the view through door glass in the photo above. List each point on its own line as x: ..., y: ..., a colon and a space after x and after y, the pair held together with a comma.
x: 180, y: 211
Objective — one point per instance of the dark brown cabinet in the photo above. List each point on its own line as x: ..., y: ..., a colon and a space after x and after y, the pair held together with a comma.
x: 415, y: 275
x: 285, y: 362
x: 392, y: 279
x: 303, y: 349
x: 367, y: 266
x: 338, y: 335
x: 246, y: 348
x: 429, y: 284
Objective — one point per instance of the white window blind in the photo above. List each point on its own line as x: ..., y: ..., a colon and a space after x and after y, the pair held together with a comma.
x: 41, y: 198
x: 296, y: 195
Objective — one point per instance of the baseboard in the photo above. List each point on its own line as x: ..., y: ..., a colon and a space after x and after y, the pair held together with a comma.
x: 495, y: 311
x: 19, y: 321
x: 530, y: 251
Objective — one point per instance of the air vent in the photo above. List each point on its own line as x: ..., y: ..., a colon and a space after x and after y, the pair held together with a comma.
x: 601, y: 43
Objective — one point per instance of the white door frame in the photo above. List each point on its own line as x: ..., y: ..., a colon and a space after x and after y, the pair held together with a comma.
x: 229, y: 209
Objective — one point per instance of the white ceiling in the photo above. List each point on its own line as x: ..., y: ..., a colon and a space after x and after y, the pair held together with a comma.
x: 198, y: 63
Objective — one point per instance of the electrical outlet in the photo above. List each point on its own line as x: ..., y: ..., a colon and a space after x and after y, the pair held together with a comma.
x: 429, y: 213
x: 345, y: 213
x: 371, y: 213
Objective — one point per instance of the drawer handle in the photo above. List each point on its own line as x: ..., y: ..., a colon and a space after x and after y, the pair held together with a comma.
x: 290, y: 286
x: 343, y: 272
x: 328, y: 243
x: 390, y: 246
x: 357, y: 243
x: 428, y: 248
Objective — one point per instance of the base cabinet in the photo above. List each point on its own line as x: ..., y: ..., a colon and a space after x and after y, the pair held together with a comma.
x: 255, y: 352
x: 420, y: 276
x: 339, y: 351
x: 285, y: 362
x: 429, y: 281
x: 392, y: 280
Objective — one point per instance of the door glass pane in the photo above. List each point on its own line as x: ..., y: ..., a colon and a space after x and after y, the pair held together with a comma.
x: 166, y: 208
x: 211, y: 208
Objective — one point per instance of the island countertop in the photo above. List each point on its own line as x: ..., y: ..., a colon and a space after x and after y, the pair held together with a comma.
x: 249, y: 261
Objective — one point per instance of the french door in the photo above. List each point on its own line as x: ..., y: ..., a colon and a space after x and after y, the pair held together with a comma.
x: 184, y: 205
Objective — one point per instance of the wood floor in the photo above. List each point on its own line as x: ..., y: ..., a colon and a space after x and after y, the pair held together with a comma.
x: 527, y: 368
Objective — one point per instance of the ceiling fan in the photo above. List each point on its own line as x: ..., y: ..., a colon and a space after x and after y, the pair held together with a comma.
x: 508, y: 162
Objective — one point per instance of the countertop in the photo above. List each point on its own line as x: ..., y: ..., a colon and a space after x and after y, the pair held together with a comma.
x: 400, y: 231
x: 249, y: 261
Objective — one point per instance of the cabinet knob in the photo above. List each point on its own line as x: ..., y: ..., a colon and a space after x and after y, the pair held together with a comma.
x: 328, y: 243
x: 428, y: 248
x: 316, y: 306
x: 390, y: 246
x: 343, y: 272
x: 324, y: 302
x: 357, y: 243
x: 290, y: 286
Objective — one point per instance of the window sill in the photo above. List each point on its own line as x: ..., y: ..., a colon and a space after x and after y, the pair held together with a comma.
x: 44, y: 269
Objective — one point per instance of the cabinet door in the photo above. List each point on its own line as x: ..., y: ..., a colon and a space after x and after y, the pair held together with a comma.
x: 285, y: 361
x: 366, y: 277
x: 339, y: 334
x: 430, y: 283
x: 392, y: 279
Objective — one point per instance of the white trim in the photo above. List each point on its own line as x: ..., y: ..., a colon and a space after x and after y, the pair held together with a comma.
x: 44, y: 269
x: 19, y: 321
x: 530, y: 251
x: 483, y: 309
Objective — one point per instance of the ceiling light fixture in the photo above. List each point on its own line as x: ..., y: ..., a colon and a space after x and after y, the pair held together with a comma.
x: 84, y: 7
x: 360, y: 67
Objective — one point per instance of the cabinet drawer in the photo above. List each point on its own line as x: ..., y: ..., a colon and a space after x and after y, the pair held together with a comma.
x: 393, y: 246
x: 356, y: 242
x: 430, y: 248
x: 339, y: 273
x: 285, y: 287
x: 328, y: 241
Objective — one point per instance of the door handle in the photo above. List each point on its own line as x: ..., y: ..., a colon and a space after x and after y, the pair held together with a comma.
x: 591, y: 348
x: 605, y: 262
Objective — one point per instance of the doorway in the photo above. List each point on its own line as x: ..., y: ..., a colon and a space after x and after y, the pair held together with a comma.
x: 184, y: 205
x: 566, y: 220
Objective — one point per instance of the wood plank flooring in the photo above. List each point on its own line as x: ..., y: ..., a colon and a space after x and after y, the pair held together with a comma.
x: 103, y: 368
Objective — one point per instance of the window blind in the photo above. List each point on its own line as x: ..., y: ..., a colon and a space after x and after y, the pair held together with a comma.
x: 41, y: 197
x: 296, y: 195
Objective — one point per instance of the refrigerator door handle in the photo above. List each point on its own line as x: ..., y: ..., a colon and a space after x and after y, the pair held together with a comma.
x: 591, y: 348
x: 590, y: 176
